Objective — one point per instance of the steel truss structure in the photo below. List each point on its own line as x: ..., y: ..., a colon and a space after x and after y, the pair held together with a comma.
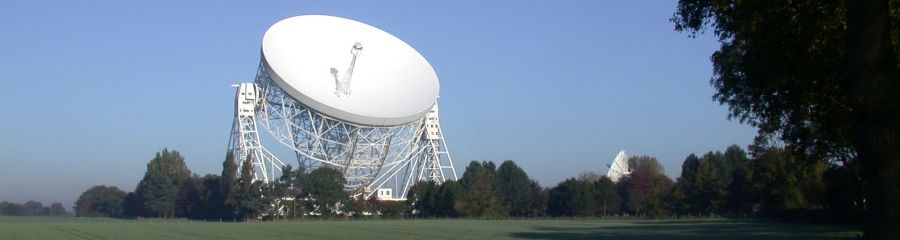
x: 370, y: 157
x: 244, y: 141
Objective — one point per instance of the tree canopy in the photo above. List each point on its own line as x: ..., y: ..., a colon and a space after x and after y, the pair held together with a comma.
x: 158, y: 190
x: 821, y: 74
x: 100, y: 201
x: 514, y: 189
x: 326, y: 189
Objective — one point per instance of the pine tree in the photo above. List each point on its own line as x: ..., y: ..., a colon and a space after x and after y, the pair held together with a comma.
x: 514, y: 189
x: 480, y: 199
x: 158, y: 189
x: 229, y: 185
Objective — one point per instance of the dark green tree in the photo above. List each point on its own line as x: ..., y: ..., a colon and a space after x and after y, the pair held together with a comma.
x: 391, y: 209
x: 480, y: 198
x: 229, y: 187
x: 689, y: 186
x: 571, y: 198
x: 158, y: 194
x: 158, y: 190
x: 739, y: 192
x: 189, y: 201
x: 133, y: 205
x: 514, y: 188
x: 606, y: 195
x: 822, y: 75
x: 541, y: 196
x: 325, y: 186
x: 100, y: 201
x: 713, y: 179
x: 289, y: 188
x: 248, y: 195
x: 713, y: 184
x: 212, y: 198
x: 422, y: 199
x: 448, y: 194
x: 469, y: 174
x: 782, y: 181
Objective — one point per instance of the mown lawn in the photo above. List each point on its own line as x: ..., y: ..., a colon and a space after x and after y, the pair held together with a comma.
x: 105, y: 228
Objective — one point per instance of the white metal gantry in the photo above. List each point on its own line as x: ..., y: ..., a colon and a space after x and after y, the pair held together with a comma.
x: 244, y: 142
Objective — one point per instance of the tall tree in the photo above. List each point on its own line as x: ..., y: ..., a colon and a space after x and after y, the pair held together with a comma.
x: 468, y: 175
x: 822, y: 74
x: 871, y: 72
x: 480, y: 199
x: 606, y: 194
x: 213, y: 198
x: 248, y: 195
x: 541, y: 196
x: 688, y: 187
x: 739, y: 193
x: 513, y: 186
x: 712, y: 184
x: 229, y: 186
x: 133, y: 205
x: 422, y: 199
x: 779, y: 180
x: 189, y: 202
x: 158, y: 190
x: 448, y: 194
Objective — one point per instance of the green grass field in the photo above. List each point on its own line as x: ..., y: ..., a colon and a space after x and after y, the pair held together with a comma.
x: 104, y: 228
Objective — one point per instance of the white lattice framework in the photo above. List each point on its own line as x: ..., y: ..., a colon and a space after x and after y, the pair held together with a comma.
x: 430, y: 162
x: 244, y: 141
x: 370, y: 157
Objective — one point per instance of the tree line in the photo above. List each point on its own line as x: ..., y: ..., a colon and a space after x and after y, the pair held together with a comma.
x: 767, y: 180
x: 32, y: 208
x: 169, y: 190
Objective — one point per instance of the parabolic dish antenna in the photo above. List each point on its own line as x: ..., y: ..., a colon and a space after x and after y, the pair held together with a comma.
x: 344, y: 95
x: 349, y: 70
x: 619, y: 168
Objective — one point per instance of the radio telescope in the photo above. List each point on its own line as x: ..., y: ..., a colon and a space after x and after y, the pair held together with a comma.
x: 345, y: 95
x: 619, y: 167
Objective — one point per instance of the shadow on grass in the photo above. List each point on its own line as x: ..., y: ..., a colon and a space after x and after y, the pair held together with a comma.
x: 691, y: 229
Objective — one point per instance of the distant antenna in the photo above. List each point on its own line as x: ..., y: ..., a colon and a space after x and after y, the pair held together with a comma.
x: 619, y: 167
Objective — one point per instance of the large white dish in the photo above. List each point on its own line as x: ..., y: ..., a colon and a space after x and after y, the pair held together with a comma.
x: 391, y: 82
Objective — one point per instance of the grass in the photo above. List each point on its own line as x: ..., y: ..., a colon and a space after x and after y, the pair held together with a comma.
x: 105, y: 228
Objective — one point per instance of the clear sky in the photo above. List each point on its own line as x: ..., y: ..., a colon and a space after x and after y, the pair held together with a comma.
x: 92, y: 89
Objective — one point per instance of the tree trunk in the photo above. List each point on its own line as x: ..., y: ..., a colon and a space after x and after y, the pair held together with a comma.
x: 871, y: 72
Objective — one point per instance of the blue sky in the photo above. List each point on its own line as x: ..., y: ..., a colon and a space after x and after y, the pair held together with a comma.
x: 92, y: 89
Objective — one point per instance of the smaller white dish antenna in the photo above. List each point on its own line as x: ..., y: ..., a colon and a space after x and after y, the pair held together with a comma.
x: 619, y: 168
